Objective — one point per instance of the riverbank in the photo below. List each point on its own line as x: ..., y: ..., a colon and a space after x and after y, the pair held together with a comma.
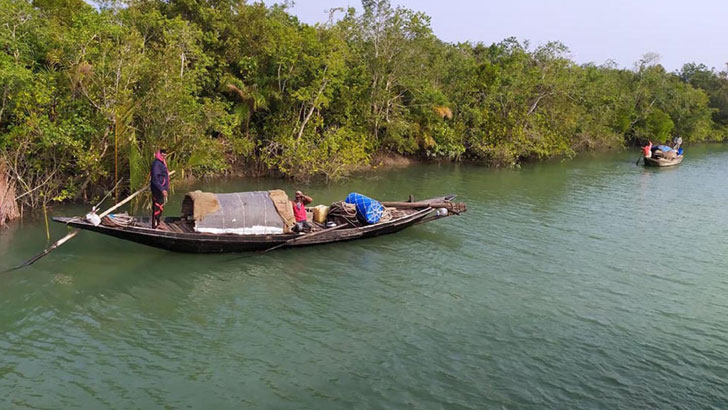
x: 381, y: 164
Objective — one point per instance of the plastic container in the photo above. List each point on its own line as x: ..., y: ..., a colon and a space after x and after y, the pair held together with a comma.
x: 319, y: 213
x: 93, y: 218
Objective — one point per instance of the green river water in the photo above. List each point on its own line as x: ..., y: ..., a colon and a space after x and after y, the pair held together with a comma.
x: 585, y: 284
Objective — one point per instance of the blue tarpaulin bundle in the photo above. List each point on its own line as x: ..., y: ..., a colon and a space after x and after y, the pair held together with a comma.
x: 367, y: 209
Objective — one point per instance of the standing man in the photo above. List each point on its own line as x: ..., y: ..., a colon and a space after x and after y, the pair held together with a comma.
x: 647, y: 151
x: 299, y: 212
x: 159, y: 186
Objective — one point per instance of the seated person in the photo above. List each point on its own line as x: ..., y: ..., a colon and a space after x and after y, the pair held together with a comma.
x: 299, y: 212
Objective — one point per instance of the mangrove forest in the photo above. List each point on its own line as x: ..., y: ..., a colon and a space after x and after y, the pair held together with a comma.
x: 89, y: 91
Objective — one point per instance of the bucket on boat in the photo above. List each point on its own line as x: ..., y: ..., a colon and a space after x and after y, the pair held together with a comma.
x: 441, y: 212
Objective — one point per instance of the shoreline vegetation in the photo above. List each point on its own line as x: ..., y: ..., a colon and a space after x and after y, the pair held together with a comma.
x: 231, y: 87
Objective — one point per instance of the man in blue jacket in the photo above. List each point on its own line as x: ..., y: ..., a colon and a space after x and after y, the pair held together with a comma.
x: 159, y: 186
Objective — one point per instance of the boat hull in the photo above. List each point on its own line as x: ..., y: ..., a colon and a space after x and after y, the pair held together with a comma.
x: 228, y: 243
x: 662, y: 162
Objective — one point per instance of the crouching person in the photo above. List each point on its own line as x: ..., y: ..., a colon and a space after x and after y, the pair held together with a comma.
x: 299, y: 212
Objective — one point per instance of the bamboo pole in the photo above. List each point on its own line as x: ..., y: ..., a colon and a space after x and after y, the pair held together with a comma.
x: 116, y: 156
x: 75, y: 231
x: 127, y: 199
x: 45, y: 216
x: 423, y: 204
x: 298, y: 238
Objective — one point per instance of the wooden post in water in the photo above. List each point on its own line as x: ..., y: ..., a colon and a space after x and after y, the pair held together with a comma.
x: 45, y: 216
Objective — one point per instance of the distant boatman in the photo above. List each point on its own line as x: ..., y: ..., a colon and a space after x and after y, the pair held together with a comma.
x: 159, y: 186
x: 647, y: 150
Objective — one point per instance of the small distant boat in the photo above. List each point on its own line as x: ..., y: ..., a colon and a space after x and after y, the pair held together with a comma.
x: 663, y: 162
x: 182, y: 234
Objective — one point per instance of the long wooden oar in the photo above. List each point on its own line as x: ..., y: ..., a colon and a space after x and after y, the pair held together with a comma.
x: 306, y: 236
x: 75, y: 231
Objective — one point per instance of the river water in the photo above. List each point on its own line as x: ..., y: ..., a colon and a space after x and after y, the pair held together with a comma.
x: 590, y: 283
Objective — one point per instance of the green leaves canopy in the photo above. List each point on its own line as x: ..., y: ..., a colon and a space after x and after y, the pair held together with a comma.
x: 228, y: 86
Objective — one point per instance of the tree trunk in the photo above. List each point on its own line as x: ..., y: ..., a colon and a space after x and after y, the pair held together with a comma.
x: 8, y: 206
x: 313, y: 105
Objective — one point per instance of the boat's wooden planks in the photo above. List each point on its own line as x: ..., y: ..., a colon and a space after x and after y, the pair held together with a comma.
x: 663, y: 162
x: 179, y: 235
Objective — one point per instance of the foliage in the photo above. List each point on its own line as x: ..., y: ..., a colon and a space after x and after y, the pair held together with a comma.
x: 227, y: 86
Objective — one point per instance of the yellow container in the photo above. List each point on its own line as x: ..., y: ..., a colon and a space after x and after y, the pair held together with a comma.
x: 319, y: 213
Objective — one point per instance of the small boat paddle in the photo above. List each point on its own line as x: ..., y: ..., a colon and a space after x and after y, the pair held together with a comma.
x: 306, y: 236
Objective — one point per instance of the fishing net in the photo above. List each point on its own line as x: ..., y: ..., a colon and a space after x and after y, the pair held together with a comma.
x: 343, y: 213
x: 117, y: 220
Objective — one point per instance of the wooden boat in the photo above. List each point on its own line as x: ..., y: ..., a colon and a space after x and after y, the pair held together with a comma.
x: 178, y: 234
x: 663, y: 162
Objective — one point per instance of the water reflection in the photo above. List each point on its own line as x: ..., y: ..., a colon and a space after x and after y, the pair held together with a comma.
x: 590, y: 283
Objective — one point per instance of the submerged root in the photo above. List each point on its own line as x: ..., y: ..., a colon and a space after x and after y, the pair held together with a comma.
x: 8, y: 206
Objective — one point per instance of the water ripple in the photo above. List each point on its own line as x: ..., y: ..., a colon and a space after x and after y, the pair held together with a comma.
x: 584, y: 284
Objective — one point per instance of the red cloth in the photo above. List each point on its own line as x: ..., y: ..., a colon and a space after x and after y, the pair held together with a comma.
x: 299, y: 211
x: 158, y: 208
x: 647, y: 150
x: 158, y: 155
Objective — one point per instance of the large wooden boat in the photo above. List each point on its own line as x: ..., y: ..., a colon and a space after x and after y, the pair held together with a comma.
x: 178, y: 233
x: 663, y: 162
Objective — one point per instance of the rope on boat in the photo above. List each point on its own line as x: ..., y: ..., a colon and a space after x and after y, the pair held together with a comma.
x: 347, y: 212
x: 118, y: 220
x: 344, y: 211
x: 75, y: 219
x: 386, y: 215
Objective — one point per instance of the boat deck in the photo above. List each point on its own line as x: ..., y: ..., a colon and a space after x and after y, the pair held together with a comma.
x: 179, y: 225
x: 178, y: 233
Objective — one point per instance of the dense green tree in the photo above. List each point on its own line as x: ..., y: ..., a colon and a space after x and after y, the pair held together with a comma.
x: 715, y: 85
x: 228, y: 86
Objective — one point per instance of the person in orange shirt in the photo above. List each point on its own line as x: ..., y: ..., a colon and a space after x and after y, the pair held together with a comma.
x: 647, y: 150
